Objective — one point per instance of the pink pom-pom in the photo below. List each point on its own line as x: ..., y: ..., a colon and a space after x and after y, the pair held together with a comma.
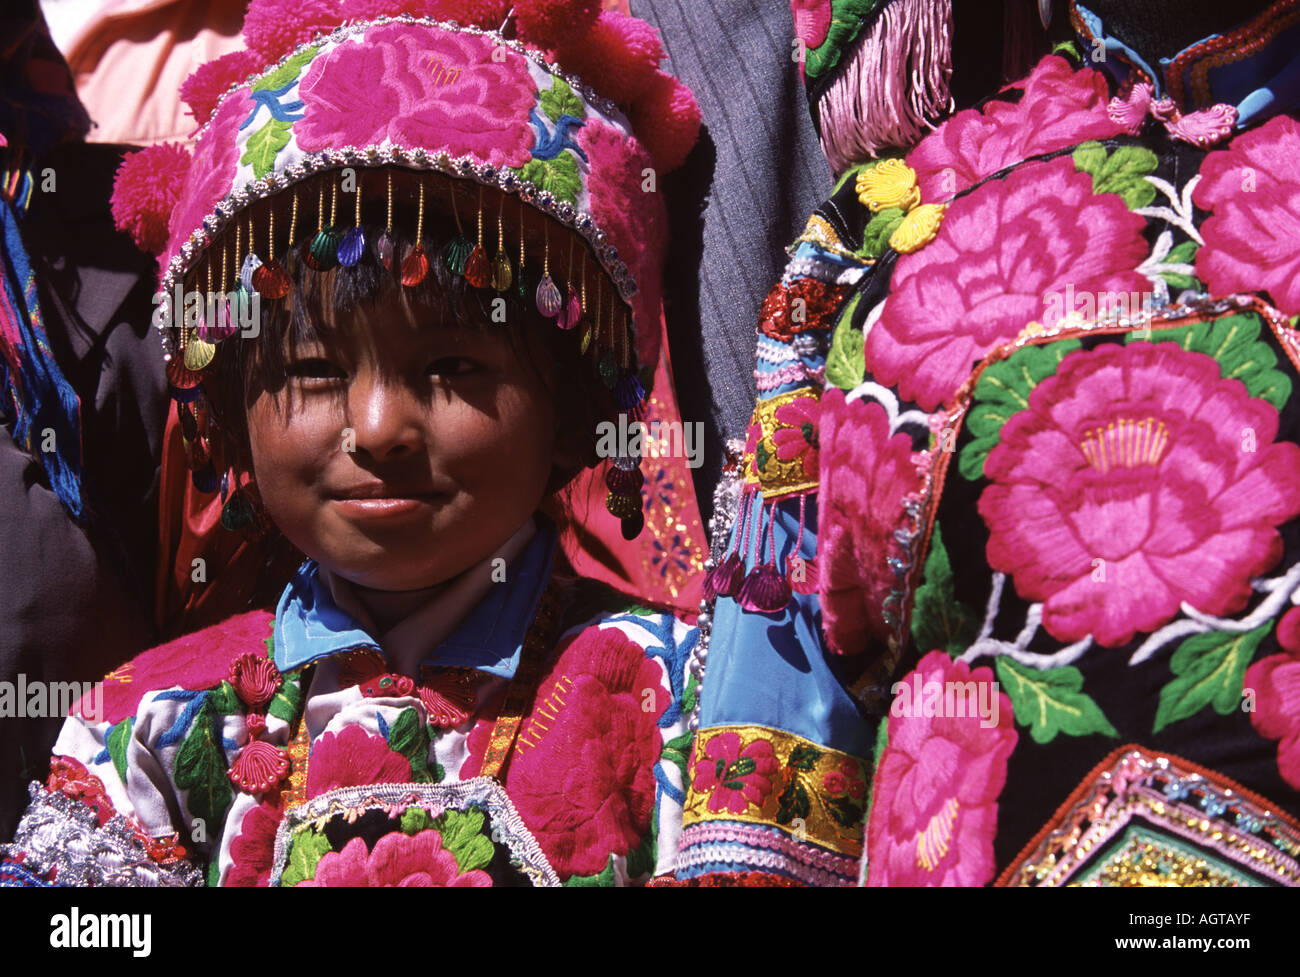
x: 667, y: 121
x: 146, y: 189
x: 619, y: 58
x: 204, y: 88
x: 370, y: 9
x: 476, y: 13
x: 556, y: 23
x: 273, y: 28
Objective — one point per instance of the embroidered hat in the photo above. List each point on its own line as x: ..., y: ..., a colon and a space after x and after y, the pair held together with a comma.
x: 471, y: 107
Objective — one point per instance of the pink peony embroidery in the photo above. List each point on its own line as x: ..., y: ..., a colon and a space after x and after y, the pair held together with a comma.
x: 734, y: 778
x: 812, y: 21
x: 1132, y: 455
x: 865, y: 475
x: 582, y: 776
x: 1253, y: 191
x: 253, y: 850
x: 1060, y: 107
x: 796, y: 433
x: 216, y: 159
x: 635, y: 225
x: 1001, y: 253
x: 1276, y: 681
x: 351, y: 758
x: 398, y: 860
x: 413, y: 88
x: 935, y: 808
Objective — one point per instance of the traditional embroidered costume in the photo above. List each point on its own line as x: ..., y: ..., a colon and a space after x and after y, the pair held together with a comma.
x: 545, y: 738
x: 1043, y: 390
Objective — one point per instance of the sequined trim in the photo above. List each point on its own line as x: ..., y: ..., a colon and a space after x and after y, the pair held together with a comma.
x: 1186, y: 808
x: 59, y: 838
x: 508, y: 828
x: 783, y: 781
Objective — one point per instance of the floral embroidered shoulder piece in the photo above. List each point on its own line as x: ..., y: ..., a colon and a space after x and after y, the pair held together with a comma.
x: 544, y: 743
x: 1060, y: 493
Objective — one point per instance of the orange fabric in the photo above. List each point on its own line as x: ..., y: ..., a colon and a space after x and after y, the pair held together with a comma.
x: 130, y: 60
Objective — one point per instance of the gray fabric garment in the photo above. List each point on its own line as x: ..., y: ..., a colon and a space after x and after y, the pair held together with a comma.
x: 741, y: 198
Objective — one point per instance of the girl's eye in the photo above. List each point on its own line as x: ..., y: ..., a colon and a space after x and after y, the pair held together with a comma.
x: 453, y: 366
x: 315, y: 369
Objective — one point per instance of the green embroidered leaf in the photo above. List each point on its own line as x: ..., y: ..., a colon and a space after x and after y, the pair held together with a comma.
x: 213, y: 874
x: 225, y: 701
x: 559, y: 100
x: 604, y: 880
x: 286, y: 73
x: 1210, y: 670
x: 415, y: 819
x: 1122, y: 172
x: 264, y: 145
x: 462, y: 835
x: 118, y: 737
x: 1050, y: 701
x: 875, y: 239
x: 690, y: 695
x: 1234, y: 342
x: 939, y: 620
x: 852, y: 173
x: 848, y: 18
x: 1003, y: 390
x: 409, y: 736
x: 201, y: 770
x: 1182, y: 254
x: 559, y: 176
x: 845, y: 366
x: 1068, y: 49
x: 641, y: 859
x: 846, y: 813
x: 804, y: 757
x: 793, y: 802
x: 677, y: 751
x: 307, y: 850
x: 287, y: 703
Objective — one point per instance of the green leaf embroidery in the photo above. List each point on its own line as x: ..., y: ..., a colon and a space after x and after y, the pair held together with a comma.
x: 1003, y: 390
x: 1234, y: 342
x: 1210, y: 670
x: 845, y: 366
x: 559, y: 100
x: 201, y: 770
x: 1050, y: 701
x: 848, y: 18
x: 225, y: 701
x: 559, y: 175
x: 804, y: 758
x: 844, y: 811
x: 939, y: 619
x: 1122, y: 172
x: 875, y: 238
x: 677, y: 750
x: 641, y: 859
x: 882, y: 742
x: 604, y: 880
x: 410, y: 737
x: 1182, y: 254
x: 1068, y: 49
x: 793, y: 802
x: 118, y: 737
x: 415, y: 819
x: 690, y: 695
x: 462, y: 835
x: 306, y: 852
x: 264, y: 145
x: 287, y: 703
x: 286, y: 73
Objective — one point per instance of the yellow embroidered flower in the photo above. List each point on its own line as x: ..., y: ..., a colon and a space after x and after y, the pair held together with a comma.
x: 892, y: 183
x: 918, y: 229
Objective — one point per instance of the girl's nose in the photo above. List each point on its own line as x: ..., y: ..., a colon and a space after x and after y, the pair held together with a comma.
x: 386, y: 417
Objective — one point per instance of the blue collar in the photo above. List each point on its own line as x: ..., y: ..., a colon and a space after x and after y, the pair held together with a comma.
x: 1253, y: 67
x: 309, y: 626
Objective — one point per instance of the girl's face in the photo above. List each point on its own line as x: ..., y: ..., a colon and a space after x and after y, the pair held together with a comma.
x: 406, y: 451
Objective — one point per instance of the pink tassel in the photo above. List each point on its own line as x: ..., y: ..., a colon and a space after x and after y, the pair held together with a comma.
x: 891, y: 87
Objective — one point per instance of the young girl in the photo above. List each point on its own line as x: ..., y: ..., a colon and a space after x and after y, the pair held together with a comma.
x: 441, y: 276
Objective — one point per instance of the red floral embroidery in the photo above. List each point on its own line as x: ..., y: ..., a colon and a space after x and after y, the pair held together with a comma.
x: 796, y: 434
x: 353, y: 757
x: 68, y: 776
x: 1276, y: 681
x: 397, y: 860
x: 1131, y: 454
x: 253, y: 850
x: 734, y: 778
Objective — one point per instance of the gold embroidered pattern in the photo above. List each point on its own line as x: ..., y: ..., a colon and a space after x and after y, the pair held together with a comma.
x: 759, y: 775
x: 786, y: 464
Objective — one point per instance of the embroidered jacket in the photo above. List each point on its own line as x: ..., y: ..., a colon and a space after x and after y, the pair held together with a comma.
x: 1060, y: 478
x: 544, y: 742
